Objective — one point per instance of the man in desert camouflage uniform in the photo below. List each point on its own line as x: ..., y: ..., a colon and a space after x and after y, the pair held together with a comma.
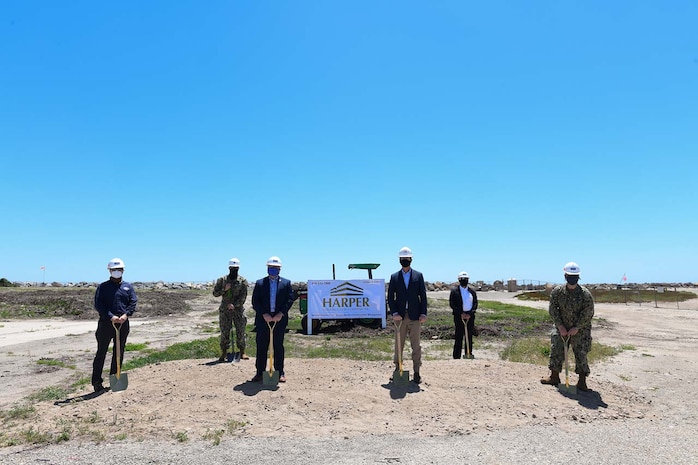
x: 233, y: 288
x: 571, y: 308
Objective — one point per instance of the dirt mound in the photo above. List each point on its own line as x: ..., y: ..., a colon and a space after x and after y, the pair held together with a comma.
x: 329, y: 397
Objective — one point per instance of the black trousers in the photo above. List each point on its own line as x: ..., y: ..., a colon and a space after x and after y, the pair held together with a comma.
x: 105, y: 334
x: 262, y: 360
x: 460, y: 334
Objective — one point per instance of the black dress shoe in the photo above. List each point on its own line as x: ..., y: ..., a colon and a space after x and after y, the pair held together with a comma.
x: 417, y: 379
x: 99, y: 388
x: 257, y: 378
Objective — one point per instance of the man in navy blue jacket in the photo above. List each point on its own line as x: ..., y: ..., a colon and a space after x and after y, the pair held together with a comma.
x: 272, y: 298
x: 115, y: 300
x: 407, y: 300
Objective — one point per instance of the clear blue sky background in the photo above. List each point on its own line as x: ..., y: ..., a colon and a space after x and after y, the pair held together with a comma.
x: 503, y: 138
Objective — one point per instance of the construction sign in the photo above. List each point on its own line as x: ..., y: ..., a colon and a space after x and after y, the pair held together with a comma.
x: 334, y: 300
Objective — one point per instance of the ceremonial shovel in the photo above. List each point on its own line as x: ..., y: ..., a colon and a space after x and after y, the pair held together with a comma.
x: 119, y: 381
x: 468, y: 355
x: 400, y: 377
x: 271, y: 377
x: 566, y: 388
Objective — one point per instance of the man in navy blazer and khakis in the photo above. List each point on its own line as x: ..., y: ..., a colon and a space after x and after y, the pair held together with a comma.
x: 407, y: 301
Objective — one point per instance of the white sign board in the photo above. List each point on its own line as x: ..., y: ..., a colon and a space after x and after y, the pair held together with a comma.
x: 333, y: 300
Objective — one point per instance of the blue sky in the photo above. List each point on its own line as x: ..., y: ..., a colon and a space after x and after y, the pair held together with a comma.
x: 501, y: 138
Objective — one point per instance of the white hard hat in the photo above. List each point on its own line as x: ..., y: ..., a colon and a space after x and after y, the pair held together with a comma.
x: 462, y: 275
x: 234, y: 262
x: 115, y: 263
x: 405, y: 252
x: 274, y: 261
x: 571, y: 269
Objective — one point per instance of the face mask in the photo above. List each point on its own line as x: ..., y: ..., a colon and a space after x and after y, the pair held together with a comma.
x: 463, y: 282
x: 273, y: 271
x: 233, y: 273
x: 571, y: 280
x: 405, y: 262
x: 116, y: 274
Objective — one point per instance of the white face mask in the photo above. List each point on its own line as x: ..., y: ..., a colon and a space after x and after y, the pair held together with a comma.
x: 116, y: 274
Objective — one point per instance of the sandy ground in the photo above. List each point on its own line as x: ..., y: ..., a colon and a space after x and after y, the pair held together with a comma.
x: 649, y: 387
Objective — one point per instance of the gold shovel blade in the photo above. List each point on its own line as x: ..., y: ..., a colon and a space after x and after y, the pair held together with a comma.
x: 270, y: 379
x: 401, y: 378
x: 118, y: 384
x: 566, y: 388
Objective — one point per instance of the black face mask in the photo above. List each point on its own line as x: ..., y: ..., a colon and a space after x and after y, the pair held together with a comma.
x: 405, y: 262
x: 463, y: 282
x: 233, y: 273
x: 571, y: 280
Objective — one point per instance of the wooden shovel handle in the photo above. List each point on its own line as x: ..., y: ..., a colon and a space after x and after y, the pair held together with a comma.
x: 398, y: 349
x: 117, y: 344
x: 566, y: 341
x: 271, y: 346
x: 467, y: 339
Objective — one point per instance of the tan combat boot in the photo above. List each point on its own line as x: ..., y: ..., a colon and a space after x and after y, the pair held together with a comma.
x: 582, y: 384
x: 553, y: 379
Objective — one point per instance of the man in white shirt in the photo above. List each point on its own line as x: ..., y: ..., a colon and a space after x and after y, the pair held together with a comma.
x: 463, y: 302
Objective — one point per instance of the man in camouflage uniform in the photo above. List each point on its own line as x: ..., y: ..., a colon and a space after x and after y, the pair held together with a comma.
x: 571, y: 308
x: 233, y: 288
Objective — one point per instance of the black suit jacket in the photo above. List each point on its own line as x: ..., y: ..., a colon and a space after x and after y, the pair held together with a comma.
x: 410, y: 300
x: 284, y: 297
x: 455, y: 300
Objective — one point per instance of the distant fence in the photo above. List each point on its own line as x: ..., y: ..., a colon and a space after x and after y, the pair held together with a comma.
x: 657, y: 297
x: 650, y: 296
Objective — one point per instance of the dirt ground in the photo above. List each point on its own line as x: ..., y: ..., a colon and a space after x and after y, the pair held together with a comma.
x: 651, y: 381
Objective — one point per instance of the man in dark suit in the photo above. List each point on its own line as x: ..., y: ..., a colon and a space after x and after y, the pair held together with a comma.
x: 463, y: 302
x: 407, y: 300
x: 272, y: 298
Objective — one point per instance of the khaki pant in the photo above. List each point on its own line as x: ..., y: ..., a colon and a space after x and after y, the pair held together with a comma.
x: 413, y: 327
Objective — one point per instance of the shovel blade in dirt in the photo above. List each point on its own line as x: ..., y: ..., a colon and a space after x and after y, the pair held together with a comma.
x: 566, y: 388
x: 270, y: 379
x: 230, y: 357
x: 118, y: 383
x: 468, y: 356
x: 236, y: 357
x: 401, y: 378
